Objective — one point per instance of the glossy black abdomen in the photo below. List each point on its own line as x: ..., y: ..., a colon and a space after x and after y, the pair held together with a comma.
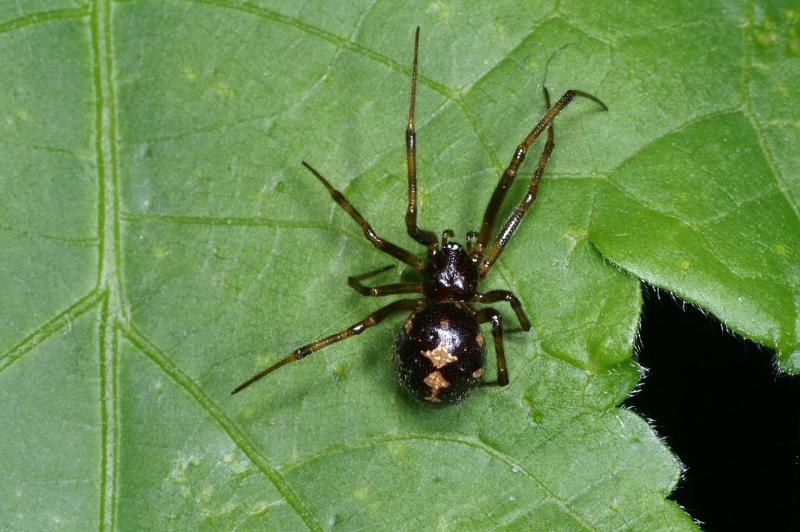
x: 440, y: 353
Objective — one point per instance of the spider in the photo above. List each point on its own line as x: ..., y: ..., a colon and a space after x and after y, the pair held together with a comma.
x: 440, y: 350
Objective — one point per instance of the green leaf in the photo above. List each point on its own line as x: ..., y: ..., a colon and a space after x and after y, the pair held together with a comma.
x: 162, y: 242
x: 708, y: 204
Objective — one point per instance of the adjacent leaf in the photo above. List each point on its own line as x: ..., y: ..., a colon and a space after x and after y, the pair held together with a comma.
x: 710, y: 208
x: 164, y: 243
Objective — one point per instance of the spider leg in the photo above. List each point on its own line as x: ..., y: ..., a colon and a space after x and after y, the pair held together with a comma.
x: 491, y: 315
x: 471, y: 236
x: 516, y: 216
x: 302, y: 352
x: 494, y: 296
x: 499, y: 194
x: 383, y: 245
x: 383, y: 290
x: 425, y: 238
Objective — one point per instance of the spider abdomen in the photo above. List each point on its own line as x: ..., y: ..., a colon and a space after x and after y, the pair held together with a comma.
x: 440, y: 353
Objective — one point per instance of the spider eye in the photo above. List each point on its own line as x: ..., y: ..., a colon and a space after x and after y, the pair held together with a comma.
x: 447, y: 234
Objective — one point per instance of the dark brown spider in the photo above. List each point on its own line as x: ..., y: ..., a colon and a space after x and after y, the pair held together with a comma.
x: 440, y: 351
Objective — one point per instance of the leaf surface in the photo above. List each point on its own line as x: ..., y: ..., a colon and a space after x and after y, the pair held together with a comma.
x: 163, y: 242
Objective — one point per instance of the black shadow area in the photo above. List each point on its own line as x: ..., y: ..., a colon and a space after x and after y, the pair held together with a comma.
x: 727, y: 413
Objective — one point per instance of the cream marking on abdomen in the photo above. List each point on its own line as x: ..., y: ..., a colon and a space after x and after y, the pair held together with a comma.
x: 440, y: 356
x: 435, y: 382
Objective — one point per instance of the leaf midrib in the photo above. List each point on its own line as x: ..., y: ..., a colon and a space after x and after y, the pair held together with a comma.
x: 115, y: 318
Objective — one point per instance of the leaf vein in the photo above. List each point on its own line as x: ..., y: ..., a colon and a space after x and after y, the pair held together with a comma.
x: 44, y: 16
x: 231, y: 221
x: 66, y: 317
x: 700, y: 234
x: 105, y: 143
x: 314, y: 31
x: 236, y: 435
x: 747, y: 74
x: 489, y: 450
x: 87, y: 241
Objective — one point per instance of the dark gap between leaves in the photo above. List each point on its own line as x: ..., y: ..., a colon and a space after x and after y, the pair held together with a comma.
x: 725, y: 411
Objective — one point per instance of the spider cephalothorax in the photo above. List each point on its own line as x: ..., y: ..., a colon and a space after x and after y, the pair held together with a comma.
x: 450, y: 274
x: 440, y: 351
